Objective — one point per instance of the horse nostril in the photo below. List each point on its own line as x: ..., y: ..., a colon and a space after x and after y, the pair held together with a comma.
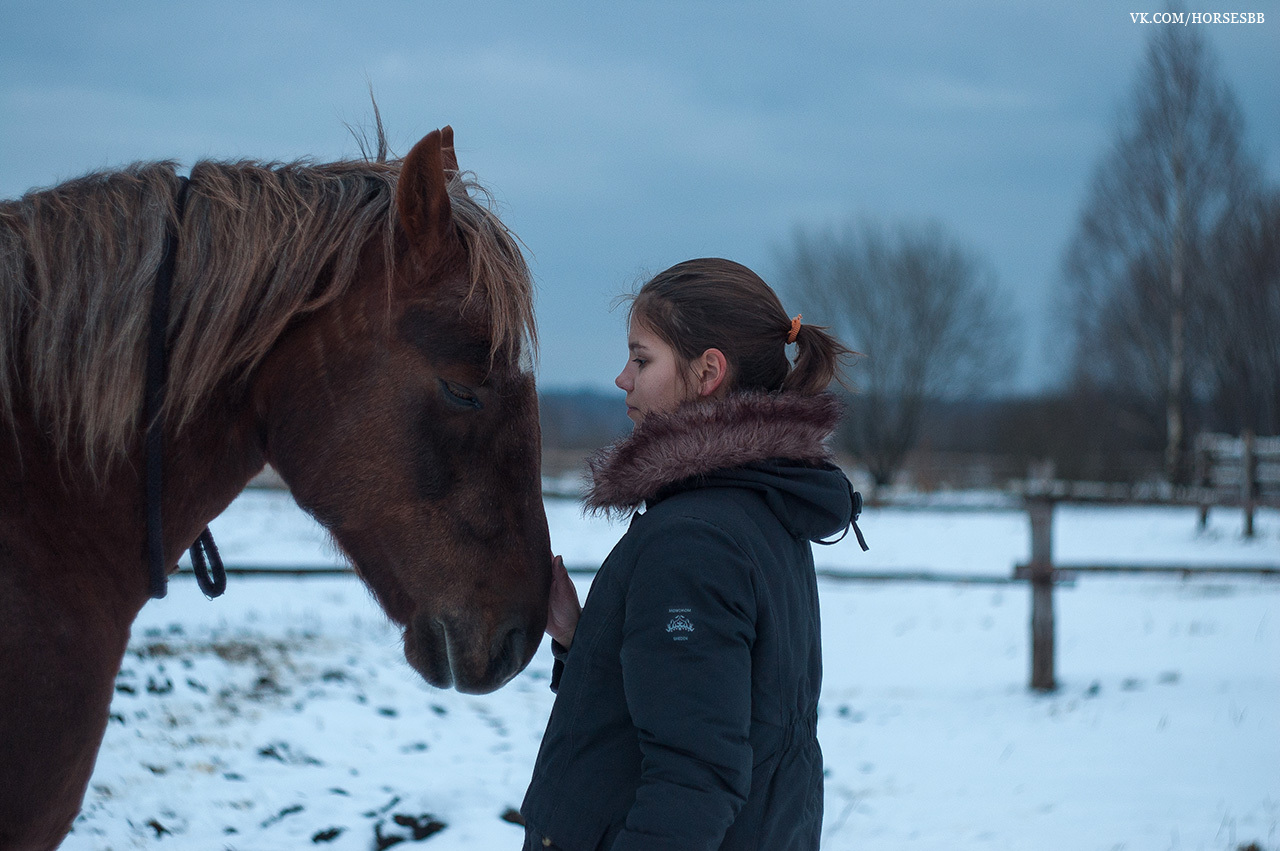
x: 428, y: 648
x: 513, y: 648
x: 461, y: 652
x: 500, y: 648
x: 506, y: 656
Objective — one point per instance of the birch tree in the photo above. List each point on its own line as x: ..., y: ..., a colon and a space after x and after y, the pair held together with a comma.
x: 1140, y: 268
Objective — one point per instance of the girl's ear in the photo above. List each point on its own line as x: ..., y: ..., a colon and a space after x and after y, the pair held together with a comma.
x: 710, y: 372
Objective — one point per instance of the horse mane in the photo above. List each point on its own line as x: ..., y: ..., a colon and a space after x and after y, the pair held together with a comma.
x: 259, y: 244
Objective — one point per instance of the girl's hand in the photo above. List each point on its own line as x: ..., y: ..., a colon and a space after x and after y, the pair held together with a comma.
x: 563, y: 608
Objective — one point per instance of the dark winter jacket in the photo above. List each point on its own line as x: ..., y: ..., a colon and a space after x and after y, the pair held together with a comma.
x: 686, y: 708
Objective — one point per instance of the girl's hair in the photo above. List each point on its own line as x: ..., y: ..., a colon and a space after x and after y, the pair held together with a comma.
x: 712, y: 303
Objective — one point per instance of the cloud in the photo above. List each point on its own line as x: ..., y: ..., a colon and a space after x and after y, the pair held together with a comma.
x: 934, y: 93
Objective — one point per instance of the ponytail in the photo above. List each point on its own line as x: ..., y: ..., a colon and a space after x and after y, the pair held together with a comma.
x: 712, y: 303
x: 820, y: 359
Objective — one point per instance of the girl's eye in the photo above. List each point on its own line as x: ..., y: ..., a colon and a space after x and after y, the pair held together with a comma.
x: 460, y: 395
x: 639, y: 361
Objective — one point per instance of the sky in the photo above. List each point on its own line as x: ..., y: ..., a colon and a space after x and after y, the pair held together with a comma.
x: 619, y: 139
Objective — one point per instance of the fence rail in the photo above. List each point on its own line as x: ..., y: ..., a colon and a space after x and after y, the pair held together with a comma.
x: 1039, y: 498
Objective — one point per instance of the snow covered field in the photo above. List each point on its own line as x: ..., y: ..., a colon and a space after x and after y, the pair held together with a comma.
x: 283, y: 715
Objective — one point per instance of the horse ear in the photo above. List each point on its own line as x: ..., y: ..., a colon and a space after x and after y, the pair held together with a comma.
x: 446, y: 150
x: 422, y: 194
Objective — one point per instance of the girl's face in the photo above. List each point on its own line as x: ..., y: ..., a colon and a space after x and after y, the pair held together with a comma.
x: 652, y: 378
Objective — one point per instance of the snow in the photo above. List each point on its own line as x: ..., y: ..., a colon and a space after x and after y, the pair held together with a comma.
x: 283, y: 714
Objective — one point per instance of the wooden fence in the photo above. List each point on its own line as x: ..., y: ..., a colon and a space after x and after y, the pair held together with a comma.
x: 1239, y: 471
x: 1043, y: 574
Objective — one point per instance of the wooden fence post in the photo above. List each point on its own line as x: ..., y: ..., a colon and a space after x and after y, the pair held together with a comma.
x: 1040, y: 511
x: 1203, y: 479
x: 1248, y: 481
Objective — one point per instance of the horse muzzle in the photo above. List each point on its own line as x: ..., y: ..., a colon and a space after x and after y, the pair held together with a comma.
x: 462, y: 653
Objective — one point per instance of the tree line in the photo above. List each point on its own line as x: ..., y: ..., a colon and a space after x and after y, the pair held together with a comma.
x: 1084, y: 438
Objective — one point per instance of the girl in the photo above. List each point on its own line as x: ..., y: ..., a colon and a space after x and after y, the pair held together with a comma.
x: 687, y: 687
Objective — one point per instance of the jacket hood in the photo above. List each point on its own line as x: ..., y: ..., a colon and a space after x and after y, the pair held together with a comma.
x: 775, y: 444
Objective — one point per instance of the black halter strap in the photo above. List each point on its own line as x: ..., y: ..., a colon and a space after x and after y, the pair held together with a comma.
x: 204, y: 554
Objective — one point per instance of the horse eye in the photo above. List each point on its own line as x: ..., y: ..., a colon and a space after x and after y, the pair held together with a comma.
x: 463, y: 397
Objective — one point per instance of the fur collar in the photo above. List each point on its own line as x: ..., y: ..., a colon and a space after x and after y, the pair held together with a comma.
x: 701, y: 437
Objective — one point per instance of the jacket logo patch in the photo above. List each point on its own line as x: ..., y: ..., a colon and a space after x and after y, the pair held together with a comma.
x: 679, y: 623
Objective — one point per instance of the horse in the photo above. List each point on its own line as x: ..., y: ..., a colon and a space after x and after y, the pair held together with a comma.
x: 365, y: 327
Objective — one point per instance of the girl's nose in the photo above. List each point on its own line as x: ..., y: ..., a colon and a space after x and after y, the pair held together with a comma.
x: 622, y: 382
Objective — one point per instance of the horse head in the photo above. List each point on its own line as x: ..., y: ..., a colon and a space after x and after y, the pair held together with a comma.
x: 403, y: 417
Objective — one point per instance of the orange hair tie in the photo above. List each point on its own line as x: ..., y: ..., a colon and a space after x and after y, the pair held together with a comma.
x: 795, y: 329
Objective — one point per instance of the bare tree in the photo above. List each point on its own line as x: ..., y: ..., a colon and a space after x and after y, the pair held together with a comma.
x: 1139, y: 267
x: 1243, y: 314
x: 921, y: 307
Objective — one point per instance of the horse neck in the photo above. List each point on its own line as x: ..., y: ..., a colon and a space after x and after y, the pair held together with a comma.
x: 206, y: 466
x: 85, y: 530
